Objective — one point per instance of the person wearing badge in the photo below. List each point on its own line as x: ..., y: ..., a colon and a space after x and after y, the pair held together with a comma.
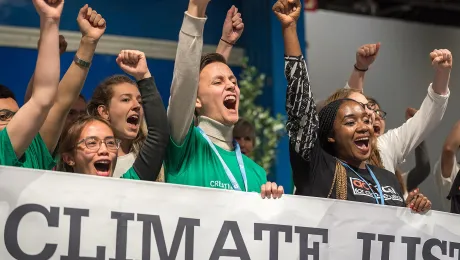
x: 207, y: 155
x: 329, y: 150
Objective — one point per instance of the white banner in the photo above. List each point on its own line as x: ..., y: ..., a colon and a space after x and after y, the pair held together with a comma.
x: 48, y: 215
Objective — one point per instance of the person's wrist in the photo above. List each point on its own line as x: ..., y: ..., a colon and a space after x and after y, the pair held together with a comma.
x: 197, y: 10
x: 227, y: 42
x: 44, y: 20
x: 360, y: 67
x: 142, y: 76
x: 85, y: 39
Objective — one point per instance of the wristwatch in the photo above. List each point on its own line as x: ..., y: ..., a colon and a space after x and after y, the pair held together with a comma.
x: 81, y: 62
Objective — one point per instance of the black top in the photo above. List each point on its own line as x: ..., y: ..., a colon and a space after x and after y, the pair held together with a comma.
x: 314, y: 168
x: 454, y: 195
x: 150, y: 159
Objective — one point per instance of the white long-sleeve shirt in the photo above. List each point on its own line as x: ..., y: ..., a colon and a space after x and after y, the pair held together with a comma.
x: 397, y: 143
x: 445, y: 184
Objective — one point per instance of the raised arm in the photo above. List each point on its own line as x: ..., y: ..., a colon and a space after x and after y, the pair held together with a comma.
x: 402, y: 140
x: 187, y: 71
x: 62, y: 49
x: 302, y: 121
x: 92, y: 26
x: 149, y: 161
x: 231, y: 32
x: 449, y: 151
x: 365, y: 56
x: 25, y: 125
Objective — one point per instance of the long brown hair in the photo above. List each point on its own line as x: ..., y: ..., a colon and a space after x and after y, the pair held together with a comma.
x: 103, y: 95
x: 70, y: 137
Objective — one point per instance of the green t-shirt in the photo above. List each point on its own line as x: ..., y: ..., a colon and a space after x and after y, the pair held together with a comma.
x: 36, y: 156
x: 130, y: 174
x: 195, y: 163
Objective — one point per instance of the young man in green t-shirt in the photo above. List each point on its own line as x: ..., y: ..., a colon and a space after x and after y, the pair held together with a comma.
x: 19, y: 143
x: 206, y: 155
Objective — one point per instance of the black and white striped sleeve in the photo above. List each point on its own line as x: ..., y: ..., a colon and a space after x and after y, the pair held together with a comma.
x: 302, y: 124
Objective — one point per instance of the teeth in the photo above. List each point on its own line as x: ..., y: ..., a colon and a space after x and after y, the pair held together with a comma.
x: 233, y: 98
x: 103, y: 162
x: 363, y: 139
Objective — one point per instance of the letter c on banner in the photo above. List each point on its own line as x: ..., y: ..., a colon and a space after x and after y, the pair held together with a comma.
x: 12, y: 225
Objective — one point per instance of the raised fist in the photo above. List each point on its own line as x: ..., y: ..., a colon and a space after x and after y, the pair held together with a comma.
x: 92, y: 25
x: 134, y: 63
x: 366, y: 55
x: 62, y: 44
x: 50, y: 9
x: 410, y: 112
x: 233, y: 26
x: 441, y: 59
x: 287, y: 11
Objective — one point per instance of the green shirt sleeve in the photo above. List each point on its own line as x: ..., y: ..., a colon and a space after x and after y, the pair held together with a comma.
x: 7, y: 154
x: 130, y: 174
x: 43, y: 160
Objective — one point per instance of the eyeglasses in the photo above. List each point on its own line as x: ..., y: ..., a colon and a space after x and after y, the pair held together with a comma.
x: 6, y: 115
x: 94, y: 143
x: 369, y: 105
x: 380, y: 113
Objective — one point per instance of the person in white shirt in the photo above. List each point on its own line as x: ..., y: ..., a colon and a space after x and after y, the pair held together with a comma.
x: 447, y: 167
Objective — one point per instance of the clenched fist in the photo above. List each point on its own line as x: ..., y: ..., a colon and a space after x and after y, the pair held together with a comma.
x: 441, y: 59
x: 134, y: 63
x: 233, y: 26
x: 49, y: 9
x: 92, y: 25
x: 366, y: 55
x: 287, y: 11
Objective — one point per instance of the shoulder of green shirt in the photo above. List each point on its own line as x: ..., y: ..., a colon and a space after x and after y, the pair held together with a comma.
x: 130, y: 174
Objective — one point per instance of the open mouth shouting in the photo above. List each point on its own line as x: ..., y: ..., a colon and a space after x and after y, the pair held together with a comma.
x: 133, y: 121
x: 362, y: 143
x: 230, y: 102
x: 103, y: 167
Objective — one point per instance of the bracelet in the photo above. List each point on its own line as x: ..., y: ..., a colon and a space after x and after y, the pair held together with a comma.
x: 229, y: 43
x: 81, y: 62
x: 362, y: 70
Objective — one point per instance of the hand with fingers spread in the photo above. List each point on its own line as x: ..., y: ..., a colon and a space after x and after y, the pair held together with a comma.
x: 366, y: 55
x: 410, y: 112
x: 418, y: 202
x: 233, y: 26
x: 49, y: 9
x: 134, y: 63
x: 271, y: 190
x: 92, y: 25
x: 441, y: 59
x: 287, y: 11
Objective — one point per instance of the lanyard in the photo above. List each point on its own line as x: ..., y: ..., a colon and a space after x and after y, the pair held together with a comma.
x: 239, y: 158
x: 377, y: 183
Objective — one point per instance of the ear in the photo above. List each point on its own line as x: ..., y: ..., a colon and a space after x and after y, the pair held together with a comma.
x: 330, y: 140
x: 103, y: 112
x: 68, y: 159
x: 198, y: 104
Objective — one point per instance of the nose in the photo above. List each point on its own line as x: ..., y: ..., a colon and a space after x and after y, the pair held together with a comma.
x: 362, y: 127
x: 103, y: 149
x: 230, y: 86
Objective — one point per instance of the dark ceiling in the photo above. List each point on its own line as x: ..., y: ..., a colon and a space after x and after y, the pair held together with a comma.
x: 440, y: 12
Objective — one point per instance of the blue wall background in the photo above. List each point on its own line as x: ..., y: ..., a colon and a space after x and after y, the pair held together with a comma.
x: 161, y: 19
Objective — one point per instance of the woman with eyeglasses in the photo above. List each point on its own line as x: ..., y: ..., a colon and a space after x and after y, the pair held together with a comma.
x: 89, y: 145
x: 330, y: 150
x: 396, y: 144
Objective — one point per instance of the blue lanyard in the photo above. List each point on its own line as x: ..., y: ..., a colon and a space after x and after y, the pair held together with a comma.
x: 239, y: 158
x: 377, y: 183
